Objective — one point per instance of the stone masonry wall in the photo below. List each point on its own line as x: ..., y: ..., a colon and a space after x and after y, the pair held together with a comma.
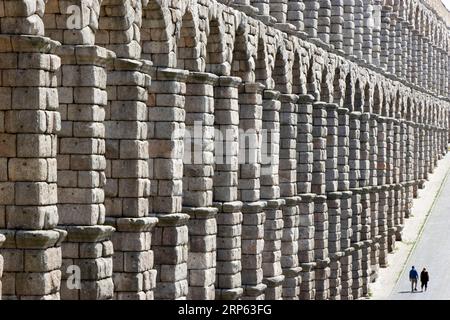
x: 214, y: 149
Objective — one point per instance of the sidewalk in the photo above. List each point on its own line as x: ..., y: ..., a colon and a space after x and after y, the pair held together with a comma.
x: 422, y: 207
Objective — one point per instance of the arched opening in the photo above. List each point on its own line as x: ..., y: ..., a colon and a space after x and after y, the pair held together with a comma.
x: 337, y: 91
x: 367, y: 104
x: 359, y: 103
x: 240, y: 67
x: 297, y: 86
x: 408, y: 111
x: 261, y: 68
x: 155, y: 36
x: 215, y: 50
x: 377, y: 100
x: 311, y: 85
x: 280, y: 73
x: 348, y: 98
x: 188, y: 53
x: 385, y: 105
x: 325, y: 95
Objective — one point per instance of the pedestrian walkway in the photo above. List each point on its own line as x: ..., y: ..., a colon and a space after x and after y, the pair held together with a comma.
x: 426, y: 243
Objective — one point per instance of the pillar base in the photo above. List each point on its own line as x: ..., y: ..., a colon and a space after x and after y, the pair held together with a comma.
x: 346, y: 275
x: 228, y: 270
x: 254, y: 292
x: 133, y: 274
x: 335, y: 276
x: 170, y: 247
x: 38, y: 275
x: 307, y: 286
x: 90, y: 248
x: 202, y: 250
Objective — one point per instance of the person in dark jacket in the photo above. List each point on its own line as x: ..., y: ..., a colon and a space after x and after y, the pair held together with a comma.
x: 413, y: 277
x: 424, y: 278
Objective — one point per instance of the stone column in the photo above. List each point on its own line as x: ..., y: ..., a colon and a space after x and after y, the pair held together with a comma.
x: 366, y: 215
x: 427, y: 50
x: 359, y: 29
x: 278, y: 10
x: 29, y: 122
x: 166, y: 126
x: 368, y: 26
x: 318, y: 186
x: 355, y: 175
x: 295, y: 14
x: 81, y: 171
x: 2, y: 239
x: 250, y: 142
x: 422, y: 156
x: 198, y: 185
x: 416, y: 56
x: 311, y: 17
x: 376, y: 33
x: 345, y: 260
x: 270, y: 192
x: 410, y: 52
x: 127, y: 154
x: 390, y: 137
x: 419, y: 60
x: 385, y: 34
x: 392, y: 55
x: 306, y: 206
x: 225, y: 195
x: 262, y: 5
x: 427, y: 71
x: 383, y: 194
x: 398, y: 165
x: 374, y: 196
x: 323, y: 24
x: 427, y: 151
x: 416, y: 153
x: 404, y: 49
x: 333, y: 200
x: 288, y: 192
x: 399, y: 49
x: 337, y: 22
x: 349, y: 26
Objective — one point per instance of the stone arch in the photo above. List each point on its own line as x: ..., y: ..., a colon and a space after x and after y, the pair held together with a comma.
x: 325, y: 94
x: 242, y: 65
x: 358, y: 104
x: 188, y: 52
x: 119, y: 27
x: 156, y: 34
x: 60, y: 25
x: 216, y: 49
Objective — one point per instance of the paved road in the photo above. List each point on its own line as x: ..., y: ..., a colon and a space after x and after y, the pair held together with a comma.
x: 431, y: 251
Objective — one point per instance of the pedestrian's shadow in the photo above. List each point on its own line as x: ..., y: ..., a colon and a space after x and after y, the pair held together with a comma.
x: 410, y: 291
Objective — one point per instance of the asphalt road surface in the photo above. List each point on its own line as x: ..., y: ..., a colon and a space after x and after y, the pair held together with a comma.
x: 432, y: 251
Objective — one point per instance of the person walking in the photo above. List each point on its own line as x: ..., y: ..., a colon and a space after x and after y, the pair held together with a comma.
x: 413, y: 277
x: 424, y: 278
